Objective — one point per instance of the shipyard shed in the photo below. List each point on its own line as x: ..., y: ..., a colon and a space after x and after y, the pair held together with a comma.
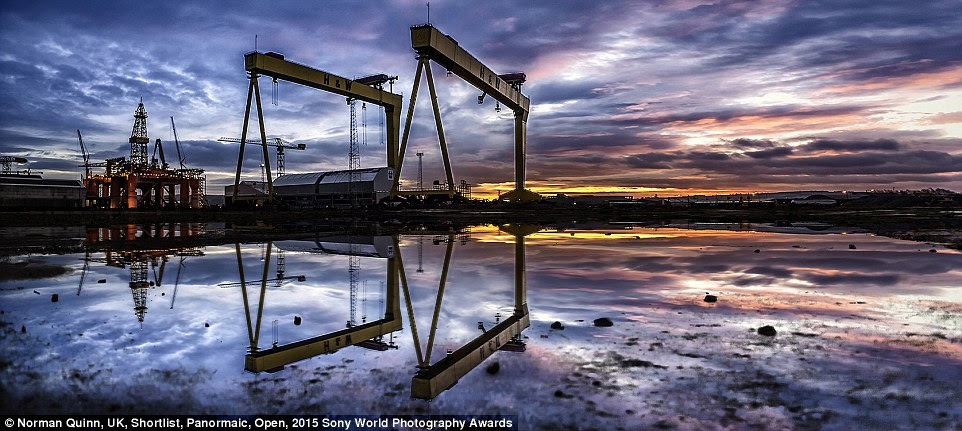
x: 34, y: 192
x: 334, y: 188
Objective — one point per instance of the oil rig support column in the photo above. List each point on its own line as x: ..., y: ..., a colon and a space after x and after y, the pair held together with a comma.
x: 131, y: 191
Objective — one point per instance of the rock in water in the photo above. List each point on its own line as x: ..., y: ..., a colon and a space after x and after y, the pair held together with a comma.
x: 297, y: 320
x: 493, y: 368
x: 757, y: 251
x: 851, y: 246
x: 711, y: 298
x: 603, y: 322
x: 206, y: 325
x: 558, y: 326
x: 931, y: 250
x: 54, y: 298
x: 767, y: 330
x: 102, y: 281
x: 23, y: 329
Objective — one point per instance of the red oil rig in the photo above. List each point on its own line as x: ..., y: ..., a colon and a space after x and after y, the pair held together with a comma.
x: 142, y: 182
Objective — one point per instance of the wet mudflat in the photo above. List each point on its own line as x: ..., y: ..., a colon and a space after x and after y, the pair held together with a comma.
x: 867, y: 329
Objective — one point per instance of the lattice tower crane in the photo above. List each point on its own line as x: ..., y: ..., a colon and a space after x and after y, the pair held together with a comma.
x: 279, y: 143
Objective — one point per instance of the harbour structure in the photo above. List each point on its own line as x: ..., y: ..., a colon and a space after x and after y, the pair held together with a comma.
x: 142, y: 181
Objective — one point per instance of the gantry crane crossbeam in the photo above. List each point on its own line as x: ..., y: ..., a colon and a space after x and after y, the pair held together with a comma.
x: 277, y: 67
x: 446, y: 52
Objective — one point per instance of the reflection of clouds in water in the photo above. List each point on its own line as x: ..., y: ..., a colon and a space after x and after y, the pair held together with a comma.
x: 647, y: 285
x: 727, y: 258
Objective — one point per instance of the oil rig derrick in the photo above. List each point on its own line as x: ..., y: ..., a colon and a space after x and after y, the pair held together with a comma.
x: 141, y: 181
x: 138, y: 137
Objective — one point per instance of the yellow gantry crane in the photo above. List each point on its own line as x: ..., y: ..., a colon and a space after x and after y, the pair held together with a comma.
x: 274, y: 65
x: 433, y: 45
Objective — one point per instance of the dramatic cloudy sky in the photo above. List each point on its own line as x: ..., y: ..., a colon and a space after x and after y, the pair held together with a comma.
x: 668, y: 97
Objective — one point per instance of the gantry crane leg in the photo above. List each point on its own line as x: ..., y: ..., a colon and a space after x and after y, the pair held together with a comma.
x: 407, y: 300
x: 253, y: 91
x: 240, y: 156
x: 425, y: 65
x: 437, y: 305
x: 437, y: 120
x: 253, y: 332
x: 267, y: 160
x: 407, y: 125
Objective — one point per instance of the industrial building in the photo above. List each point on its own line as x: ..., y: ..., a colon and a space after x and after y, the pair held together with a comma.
x: 18, y: 191
x: 323, y: 189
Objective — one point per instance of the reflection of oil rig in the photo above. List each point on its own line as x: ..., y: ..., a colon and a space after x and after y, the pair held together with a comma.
x: 141, y: 182
x: 142, y: 261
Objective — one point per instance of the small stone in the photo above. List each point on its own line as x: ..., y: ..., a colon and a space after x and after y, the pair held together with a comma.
x: 931, y: 250
x: 851, y: 246
x: 757, y: 251
x: 163, y: 294
x: 559, y: 394
x: 206, y: 325
x: 297, y: 320
x: 54, y: 298
x: 102, y: 281
x: 23, y: 329
x: 493, y: 368
x: 558, y: 326
x: 767, y: 330
x: 603, y: 322
x: 711, y: 298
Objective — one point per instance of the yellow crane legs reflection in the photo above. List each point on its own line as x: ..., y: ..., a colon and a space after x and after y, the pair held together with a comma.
x: 425, y: 359
x: 277, y: 356
x: 430, y: 379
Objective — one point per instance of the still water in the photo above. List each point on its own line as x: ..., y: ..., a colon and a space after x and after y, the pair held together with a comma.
x: 869, y: 329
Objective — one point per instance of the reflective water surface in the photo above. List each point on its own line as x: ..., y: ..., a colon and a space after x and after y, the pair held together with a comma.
x: 869, y: 329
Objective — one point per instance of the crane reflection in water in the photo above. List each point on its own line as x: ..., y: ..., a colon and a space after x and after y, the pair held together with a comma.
x: 431, y: 378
